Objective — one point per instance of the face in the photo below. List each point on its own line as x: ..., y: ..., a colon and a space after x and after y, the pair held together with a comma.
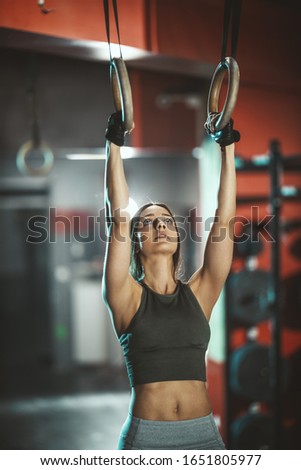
x: 156, y: 231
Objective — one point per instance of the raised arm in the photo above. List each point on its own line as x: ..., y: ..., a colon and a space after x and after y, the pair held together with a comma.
x: 120, y: 291
x: 208, y: 281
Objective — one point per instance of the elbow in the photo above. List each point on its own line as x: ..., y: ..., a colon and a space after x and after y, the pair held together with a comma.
x: 118, y: 217
x: 225, y: 219
x: 103, y: 290
x: 119, y: 208
x: 104, y: 295
x: 118, y: 197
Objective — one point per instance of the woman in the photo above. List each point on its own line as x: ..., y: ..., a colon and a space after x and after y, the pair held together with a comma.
x: 162, y: 323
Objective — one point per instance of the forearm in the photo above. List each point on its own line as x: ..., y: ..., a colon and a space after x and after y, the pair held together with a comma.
x: 117, y: 193
x: 226, y: 209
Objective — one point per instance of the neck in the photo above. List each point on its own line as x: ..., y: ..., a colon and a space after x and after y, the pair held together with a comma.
x: 158, y: 275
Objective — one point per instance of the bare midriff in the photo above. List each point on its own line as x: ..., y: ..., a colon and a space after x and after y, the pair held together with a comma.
x: 170, y: 401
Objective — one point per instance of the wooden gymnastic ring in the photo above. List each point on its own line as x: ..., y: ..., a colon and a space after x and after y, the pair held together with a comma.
x: 23, y: 165
x: 231, y: 66
x: 122, y: 92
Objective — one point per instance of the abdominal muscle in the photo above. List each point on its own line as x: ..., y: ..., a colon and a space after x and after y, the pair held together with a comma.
x: 170, y: 401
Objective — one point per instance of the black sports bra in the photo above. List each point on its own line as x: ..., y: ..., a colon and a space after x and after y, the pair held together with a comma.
x: 167, y: 338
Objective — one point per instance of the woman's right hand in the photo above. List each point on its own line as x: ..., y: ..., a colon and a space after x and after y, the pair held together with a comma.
x: 115, y: 131
x: 225, y: 136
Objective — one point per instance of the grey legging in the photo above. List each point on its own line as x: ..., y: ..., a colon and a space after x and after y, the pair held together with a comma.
x: 195, y: 434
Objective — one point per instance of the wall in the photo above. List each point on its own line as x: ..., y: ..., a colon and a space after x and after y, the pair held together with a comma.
x: 75, y: 19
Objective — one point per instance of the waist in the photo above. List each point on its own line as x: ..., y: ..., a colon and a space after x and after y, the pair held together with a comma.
x: 151, y: 422
x: 170, y: 401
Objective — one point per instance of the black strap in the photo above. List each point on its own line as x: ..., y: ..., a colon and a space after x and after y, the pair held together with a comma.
x: 232, y: 11
x: 31, y: 93
x: 107, y: 19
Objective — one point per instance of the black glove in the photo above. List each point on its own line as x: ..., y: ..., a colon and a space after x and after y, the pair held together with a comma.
x: 225, y: 136
x: 115, y: 131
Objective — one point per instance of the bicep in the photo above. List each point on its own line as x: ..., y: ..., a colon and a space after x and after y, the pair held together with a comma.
x: 218, y: 254
x: 119, y: 286
x: 118, y: 253
x: 209, y: 280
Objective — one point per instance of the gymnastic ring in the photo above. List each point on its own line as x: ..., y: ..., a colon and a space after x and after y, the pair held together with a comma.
x: 232, y: 68
x: 23, y: 165
x: 122, y: 92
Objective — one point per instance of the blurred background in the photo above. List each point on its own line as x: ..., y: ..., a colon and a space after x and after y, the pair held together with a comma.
x: 63, y: 379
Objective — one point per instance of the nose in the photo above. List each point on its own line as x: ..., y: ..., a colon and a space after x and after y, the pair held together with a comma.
x: 159, y: 224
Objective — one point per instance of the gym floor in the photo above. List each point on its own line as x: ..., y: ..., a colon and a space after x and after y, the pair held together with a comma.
x: 82, y: 408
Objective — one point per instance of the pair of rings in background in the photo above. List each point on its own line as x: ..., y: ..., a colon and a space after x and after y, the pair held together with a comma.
x: 122, y: 96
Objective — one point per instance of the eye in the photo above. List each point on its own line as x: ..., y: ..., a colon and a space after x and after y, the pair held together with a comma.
x: 169, y: 220
x: 146, y: 222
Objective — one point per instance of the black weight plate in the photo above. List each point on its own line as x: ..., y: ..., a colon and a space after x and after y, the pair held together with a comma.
x: 248, y: 296
x: 249, y: 372
x: 252, y: 431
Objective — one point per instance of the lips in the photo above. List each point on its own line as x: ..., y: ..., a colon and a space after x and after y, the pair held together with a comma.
x: 161, y: 236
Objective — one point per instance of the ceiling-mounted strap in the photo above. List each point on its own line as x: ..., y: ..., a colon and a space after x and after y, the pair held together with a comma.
x: 107, y: 20
x: 231, y: 12
x: 35, y: 143
x: 31, y: 94
x: 120, y: 83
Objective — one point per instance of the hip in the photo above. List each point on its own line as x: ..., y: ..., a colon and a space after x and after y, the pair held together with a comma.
x: 194, y: 434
